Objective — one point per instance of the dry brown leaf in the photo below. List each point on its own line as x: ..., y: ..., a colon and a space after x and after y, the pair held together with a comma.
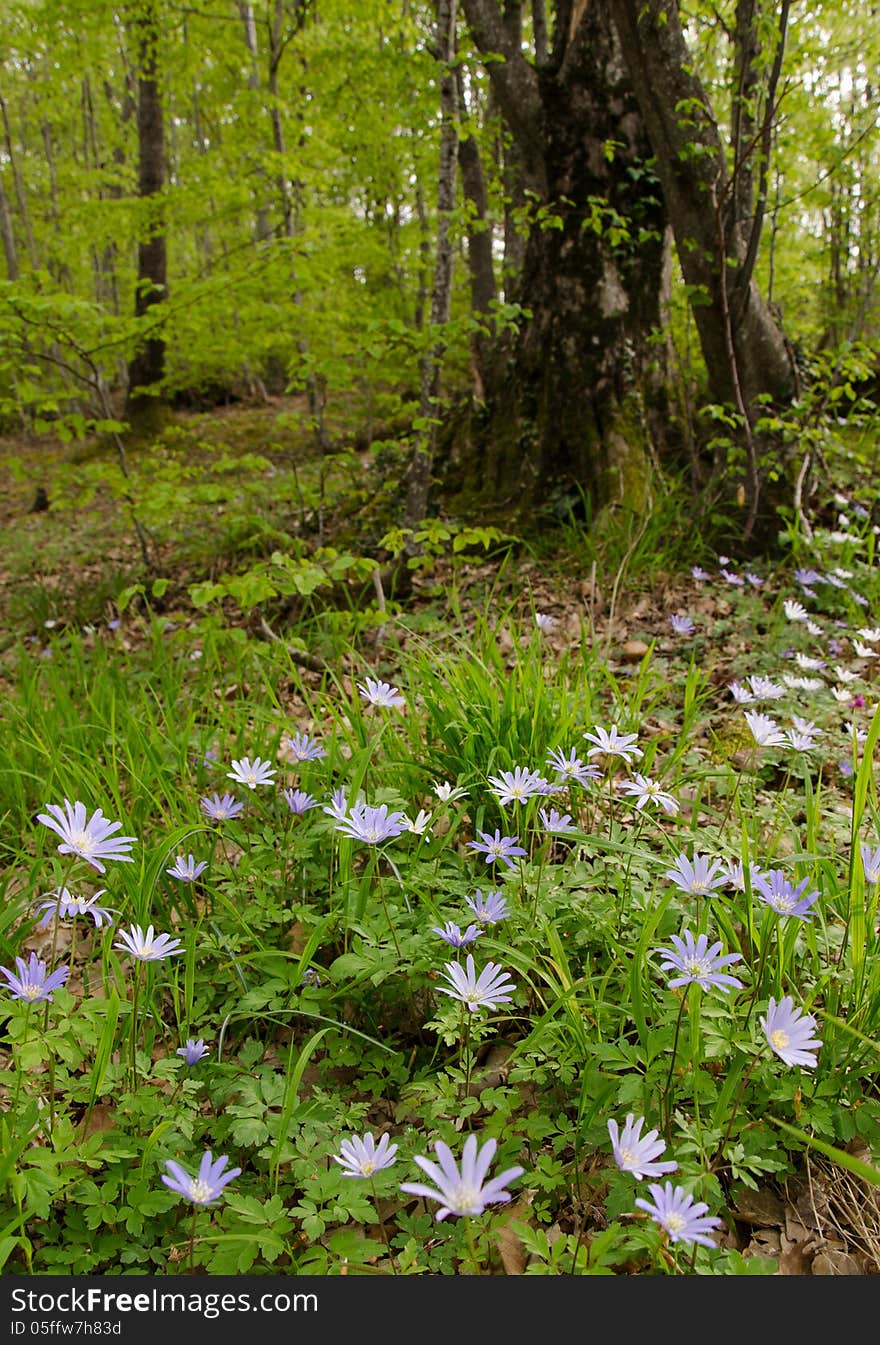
x: 509, y: 1244
x: 833, y: 1261
x: 762, y: 1209
x: 796, y: 1258
x: 100, y: 1119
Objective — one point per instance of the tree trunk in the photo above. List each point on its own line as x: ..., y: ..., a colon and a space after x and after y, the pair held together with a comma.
x: 147, y: 366
x: 481, y: 267
x: 18, y: 185
x: 419, y: 474
x: 748, y: 360
x: 691, y: 164
x: 8, y: 232
x: 263, y: 229
x: 566, y: 420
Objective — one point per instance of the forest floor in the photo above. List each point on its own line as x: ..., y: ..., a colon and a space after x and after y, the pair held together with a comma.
x: 226, y: 491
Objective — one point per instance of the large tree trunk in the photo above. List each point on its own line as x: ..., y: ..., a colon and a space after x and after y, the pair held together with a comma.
x: 566, y: 419
x: 147, y: 366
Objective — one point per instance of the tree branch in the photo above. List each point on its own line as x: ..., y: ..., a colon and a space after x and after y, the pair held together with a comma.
x: 515, y: 84
x: 747, y: 269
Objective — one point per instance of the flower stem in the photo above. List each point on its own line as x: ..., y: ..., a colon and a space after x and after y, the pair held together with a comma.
x: 472, y: 1249
x: 19, y: 1072
x: 381, y: 1222
x: 134, y: 1013
x: 719, y: 1152
x: 667, y: 1106
x: 192, y: 1241
x: 464, y: 1051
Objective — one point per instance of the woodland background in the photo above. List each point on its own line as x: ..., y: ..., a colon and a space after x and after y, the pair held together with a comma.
x: 584, y: 242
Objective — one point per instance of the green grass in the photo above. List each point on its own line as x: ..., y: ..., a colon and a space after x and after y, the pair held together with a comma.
x: 309, y: 961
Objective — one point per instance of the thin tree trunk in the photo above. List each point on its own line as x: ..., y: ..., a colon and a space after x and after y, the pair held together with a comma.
x: 744, y: 108
x: 18, y: 185
x: 147, y: 366
x: 481, y: 266
x: 262, y: 227
x: 289, y: 201
x: 746, y: 355
x: 691, y: 165
x: 61, y: 268
x: 419, y: 475
x: 6, y: 229
x: 424, y: 259
x: 539, y: 32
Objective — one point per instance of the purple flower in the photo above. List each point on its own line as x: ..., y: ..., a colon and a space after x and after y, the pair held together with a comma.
x: 380, y: 693
x: 462, y: 1192
x: 558, y: 823
x: 372, y: 825
x: 87, y: 837
x: 789, y: 1033
x: 362, y: 1157
x: 453, y: 935
x: 648, y: 791
x: 298, y: 801
x: 66, y: 906
x: 518, y: 785
x: 251, y: 773
x: 764, y: 688
x: 613, y: 743
x: 302, y: 748
x: 698, y: 878
x: 635, y: 1152
x: 32, y: 983
x: 698, y: 963
x: 338, y: 805
x: 489, y: 909
x: 681, y: 625
x: 570, y: 769
x: 207, y: 1186
x: 775, y: 890
x: 765, y: 731
x: 492, y: 987
x: 193, y: 1051
x: 221, y: 809
x: 871, y: 863
x: 733, y: 578
x: 187, y: 870
x: 794, y: 610
x: 734, y: 874
x: 682, y: 1218
x: 802, y: 739
x: 497, y: 847
x: 699, y: 573
x: 147, y: 947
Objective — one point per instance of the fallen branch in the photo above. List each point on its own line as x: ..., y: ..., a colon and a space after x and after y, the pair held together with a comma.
x: 310, y: 661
